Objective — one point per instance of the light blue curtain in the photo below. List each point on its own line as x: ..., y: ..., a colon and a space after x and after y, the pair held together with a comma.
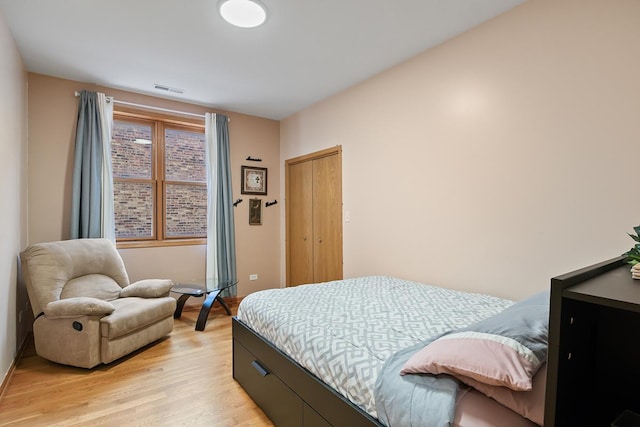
x: 221, y: 244
x: 89, y: 175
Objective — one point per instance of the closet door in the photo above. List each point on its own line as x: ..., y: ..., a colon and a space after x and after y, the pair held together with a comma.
x: 300, y: 224
x: 327, y: 219
x: 314, y: 217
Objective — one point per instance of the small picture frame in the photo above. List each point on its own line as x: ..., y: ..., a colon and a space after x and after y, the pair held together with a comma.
x: 255, y: 211
x: 254, y: 180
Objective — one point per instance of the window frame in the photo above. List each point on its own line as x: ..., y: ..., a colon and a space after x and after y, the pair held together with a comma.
x: 158, y: 122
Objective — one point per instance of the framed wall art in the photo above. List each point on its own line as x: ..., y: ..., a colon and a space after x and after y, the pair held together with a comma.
x: 254, y: 180
x: 255, y: 212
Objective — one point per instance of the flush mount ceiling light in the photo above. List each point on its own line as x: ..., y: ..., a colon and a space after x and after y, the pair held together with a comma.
x: 243, y: 13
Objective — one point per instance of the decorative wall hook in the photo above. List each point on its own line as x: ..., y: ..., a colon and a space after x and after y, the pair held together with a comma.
x: 266, y: 205
x: 252, y: 159
x: 237, y: 202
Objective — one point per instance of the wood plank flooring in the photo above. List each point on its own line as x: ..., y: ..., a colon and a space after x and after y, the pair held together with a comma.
x: 182, y: 380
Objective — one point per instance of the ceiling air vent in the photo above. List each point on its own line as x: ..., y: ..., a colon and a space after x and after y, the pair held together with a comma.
x: 167, y: 88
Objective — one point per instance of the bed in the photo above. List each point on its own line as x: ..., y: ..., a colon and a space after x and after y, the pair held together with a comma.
x: 330, y: 354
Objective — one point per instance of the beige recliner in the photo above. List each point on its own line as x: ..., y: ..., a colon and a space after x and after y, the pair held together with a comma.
x: 86, y: 311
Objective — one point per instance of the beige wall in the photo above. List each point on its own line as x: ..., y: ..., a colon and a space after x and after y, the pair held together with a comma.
x: 14, y: 323
x: 52, y: 117
x: 496, y: 160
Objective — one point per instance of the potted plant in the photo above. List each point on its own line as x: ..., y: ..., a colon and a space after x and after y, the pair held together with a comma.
x: 633, y: 255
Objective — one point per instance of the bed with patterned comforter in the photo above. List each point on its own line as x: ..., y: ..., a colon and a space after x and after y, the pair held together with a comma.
x: 344, y: 331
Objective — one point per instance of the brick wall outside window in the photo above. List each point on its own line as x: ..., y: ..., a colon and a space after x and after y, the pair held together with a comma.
x: 130, y: 160
x: 184, y: 156
x: 184, y: 192
x: 186, y: 205
x: 186, y: 210
x: 133, y: 206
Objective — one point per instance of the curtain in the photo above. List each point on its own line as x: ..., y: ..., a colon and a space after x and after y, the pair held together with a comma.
x: 221, y: 247
x: 92, y: 190
x: 107, y: 220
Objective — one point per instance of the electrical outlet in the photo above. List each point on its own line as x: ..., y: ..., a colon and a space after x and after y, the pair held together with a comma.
x: 253, y: 277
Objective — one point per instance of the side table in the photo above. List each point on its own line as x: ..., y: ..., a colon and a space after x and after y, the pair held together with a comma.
x: 196, y: 290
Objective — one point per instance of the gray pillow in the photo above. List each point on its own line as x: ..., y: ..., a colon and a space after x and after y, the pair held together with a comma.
x: 526, y: 322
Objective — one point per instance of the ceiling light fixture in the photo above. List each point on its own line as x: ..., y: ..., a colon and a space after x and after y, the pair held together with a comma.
x: 243, y: 13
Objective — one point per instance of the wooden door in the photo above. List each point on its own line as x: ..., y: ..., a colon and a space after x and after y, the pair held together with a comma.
x: 300, y: 224
x: 314, y: 217
x: 327, y: 219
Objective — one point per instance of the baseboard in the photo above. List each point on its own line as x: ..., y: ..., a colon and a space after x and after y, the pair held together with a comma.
x: 14, y: 364
x: 7, y: 378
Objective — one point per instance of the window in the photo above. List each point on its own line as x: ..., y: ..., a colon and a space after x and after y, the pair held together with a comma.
x: 159, y: 174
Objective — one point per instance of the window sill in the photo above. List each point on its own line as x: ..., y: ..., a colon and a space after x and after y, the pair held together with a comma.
x: 128, y: 244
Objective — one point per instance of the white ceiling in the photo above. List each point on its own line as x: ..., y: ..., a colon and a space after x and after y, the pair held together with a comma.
x: 306, y: 51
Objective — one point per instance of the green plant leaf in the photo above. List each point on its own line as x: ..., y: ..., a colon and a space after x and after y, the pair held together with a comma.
x: 633, y: 255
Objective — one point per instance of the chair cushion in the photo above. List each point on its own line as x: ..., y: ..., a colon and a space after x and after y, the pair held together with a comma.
x: 92, y: 285
x: 134, y: 313
x: 148, y: 288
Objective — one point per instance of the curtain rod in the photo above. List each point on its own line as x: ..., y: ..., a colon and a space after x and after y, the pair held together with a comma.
x: 150, y: 107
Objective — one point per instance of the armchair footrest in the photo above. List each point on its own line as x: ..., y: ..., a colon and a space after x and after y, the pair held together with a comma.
x: 134, y: 313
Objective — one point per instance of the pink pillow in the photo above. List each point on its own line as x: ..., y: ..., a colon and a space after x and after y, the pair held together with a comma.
x: 529, y: 404
x: 488, y: 358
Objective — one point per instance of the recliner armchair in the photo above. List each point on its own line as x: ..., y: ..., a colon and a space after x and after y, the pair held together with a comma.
x: 86, y: 310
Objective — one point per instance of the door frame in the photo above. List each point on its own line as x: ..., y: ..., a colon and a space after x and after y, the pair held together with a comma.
x: 337, y: 150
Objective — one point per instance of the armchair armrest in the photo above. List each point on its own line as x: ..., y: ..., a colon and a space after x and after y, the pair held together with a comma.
x: 78, y: 306
x: 148, y: 288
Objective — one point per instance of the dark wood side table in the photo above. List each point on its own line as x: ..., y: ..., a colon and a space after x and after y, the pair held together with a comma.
x: 187, y: 291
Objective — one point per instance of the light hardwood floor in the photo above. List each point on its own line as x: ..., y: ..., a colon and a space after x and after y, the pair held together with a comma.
x: 182, y: 380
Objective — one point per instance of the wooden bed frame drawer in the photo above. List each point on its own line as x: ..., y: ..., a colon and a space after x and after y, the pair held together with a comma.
x: 312, y: 419
x: 277, y: 400
x: 321, y: 406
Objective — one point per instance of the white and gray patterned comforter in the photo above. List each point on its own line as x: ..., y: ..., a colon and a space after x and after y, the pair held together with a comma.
x: 343, y: 331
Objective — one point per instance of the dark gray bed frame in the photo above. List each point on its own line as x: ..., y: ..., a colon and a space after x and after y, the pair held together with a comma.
x: 287, y: 393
